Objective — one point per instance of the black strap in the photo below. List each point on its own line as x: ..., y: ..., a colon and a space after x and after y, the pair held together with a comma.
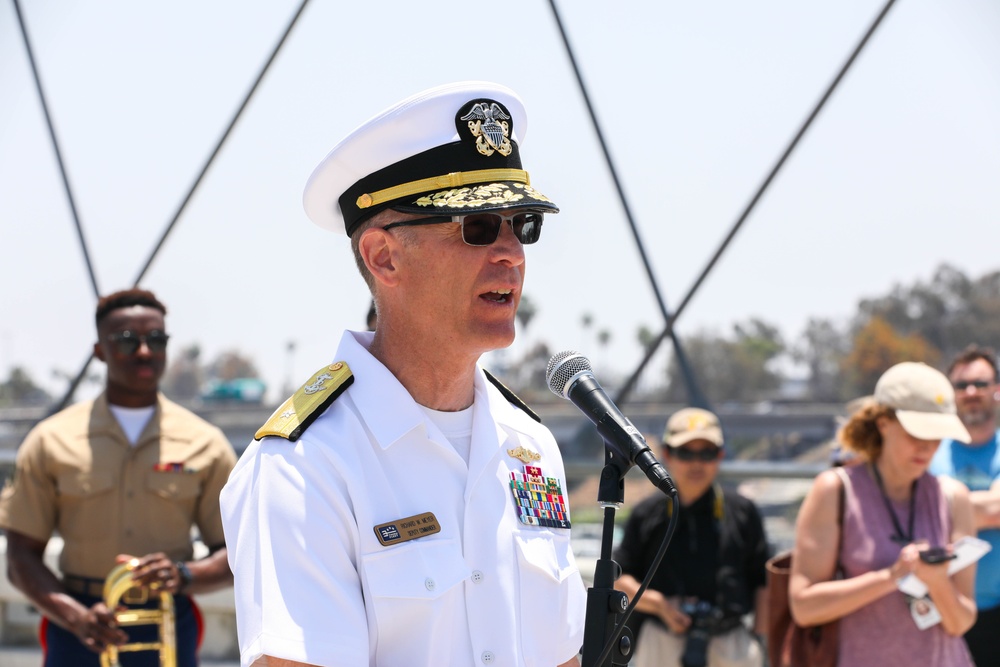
x: 842, y: 479
x: 900, y: 537
x: 511, y: 396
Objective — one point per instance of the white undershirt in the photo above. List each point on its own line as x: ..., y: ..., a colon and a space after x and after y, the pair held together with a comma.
x: 132, y: 420
x: 456, y: 426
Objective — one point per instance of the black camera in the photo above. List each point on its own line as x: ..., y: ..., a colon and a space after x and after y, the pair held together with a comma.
x: 704, y: 620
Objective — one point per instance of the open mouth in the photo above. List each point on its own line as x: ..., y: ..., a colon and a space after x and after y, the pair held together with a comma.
x: 497, y: 296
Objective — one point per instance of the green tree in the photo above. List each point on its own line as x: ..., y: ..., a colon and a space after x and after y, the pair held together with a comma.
x: 645, y: 336
x: 878, y: 345
x: 734, y: 368
x: 822, y: 348
x: 230, y: 365
x: 184, y: 376
x: 20, y: 389
x: 527, y: 376
x: 949, y: 311
x: 526, y: 311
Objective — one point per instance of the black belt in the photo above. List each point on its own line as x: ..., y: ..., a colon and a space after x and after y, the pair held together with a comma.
x: 720, y: 627
x: 84, y: 585
x: 726, y: 624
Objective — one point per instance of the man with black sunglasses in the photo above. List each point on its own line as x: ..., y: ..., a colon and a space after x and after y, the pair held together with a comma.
x: 123, y: 477
x: 973, y: 374
x: 404, y: 507
x: 712, y: 575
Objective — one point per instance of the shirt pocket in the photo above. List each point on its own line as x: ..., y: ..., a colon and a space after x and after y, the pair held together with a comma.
x: 172, y: 501
x: 548, y: 579
x: 86, y: 502
x: 173, y: 485
x: 413, y: 588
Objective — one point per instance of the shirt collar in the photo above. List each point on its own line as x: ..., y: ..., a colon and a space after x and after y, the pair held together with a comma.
x: 387, y: 407
x: 103, y: 421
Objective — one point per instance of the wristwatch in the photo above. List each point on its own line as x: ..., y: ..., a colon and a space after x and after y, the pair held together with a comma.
x: 184, y: 572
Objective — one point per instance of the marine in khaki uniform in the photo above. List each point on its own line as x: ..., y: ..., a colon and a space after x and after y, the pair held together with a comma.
x: 124, y: 476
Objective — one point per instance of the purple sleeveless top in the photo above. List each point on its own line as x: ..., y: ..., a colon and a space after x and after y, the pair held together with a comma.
x: 883, y: 632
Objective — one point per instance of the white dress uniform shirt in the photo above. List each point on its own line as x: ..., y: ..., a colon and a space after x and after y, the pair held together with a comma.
x: 313, y: 582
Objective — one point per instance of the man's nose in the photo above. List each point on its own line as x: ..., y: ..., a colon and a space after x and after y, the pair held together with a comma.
x: 508, y: 246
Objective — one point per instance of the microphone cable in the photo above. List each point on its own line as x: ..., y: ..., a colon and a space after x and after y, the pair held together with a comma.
x: 654, y: 566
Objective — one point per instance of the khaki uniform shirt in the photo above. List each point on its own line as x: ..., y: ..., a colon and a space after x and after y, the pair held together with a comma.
x: 77, y: 474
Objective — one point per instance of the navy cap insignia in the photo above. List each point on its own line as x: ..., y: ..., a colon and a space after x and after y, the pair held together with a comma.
x: 487, y: 122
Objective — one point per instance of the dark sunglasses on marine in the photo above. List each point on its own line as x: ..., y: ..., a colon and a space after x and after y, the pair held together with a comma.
x: 705, y: 455
x: 482, y: 229
x: 128, y: 342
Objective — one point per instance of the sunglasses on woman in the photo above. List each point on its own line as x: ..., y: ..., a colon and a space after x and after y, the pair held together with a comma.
x: 127, y: 342
x: 482, y: 229
x: 703, y: 455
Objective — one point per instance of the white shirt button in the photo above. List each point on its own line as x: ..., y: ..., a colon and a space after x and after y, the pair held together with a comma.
x: 477, y: 577
x: 429, y: 584
x: 488, y: 657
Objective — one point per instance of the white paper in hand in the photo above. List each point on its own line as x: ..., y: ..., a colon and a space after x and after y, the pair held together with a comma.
x: 967, y: 551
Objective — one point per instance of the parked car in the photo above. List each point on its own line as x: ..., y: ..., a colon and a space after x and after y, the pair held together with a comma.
x: 238, y: 390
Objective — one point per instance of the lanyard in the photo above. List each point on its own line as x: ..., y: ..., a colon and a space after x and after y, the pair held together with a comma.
x: 718, y: 512
x: 717, y: 507
x: 900, y: 537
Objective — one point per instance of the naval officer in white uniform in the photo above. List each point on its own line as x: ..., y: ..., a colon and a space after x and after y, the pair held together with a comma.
x: 403, y: 507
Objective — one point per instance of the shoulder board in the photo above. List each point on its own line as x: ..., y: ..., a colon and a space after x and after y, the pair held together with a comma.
x: 296, y: 414
x: 511, y: 396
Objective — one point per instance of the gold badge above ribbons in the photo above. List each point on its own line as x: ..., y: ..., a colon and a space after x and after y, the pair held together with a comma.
x: 524, y: 455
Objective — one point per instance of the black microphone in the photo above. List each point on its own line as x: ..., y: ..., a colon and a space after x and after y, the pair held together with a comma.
x: 570, y: 376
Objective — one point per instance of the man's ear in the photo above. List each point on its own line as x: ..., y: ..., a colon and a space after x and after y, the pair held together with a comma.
x: 378, y: 249
x: 98, y: 352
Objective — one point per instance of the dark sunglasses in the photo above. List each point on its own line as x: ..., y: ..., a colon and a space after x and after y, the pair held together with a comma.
x: 978, y: 384
x: 481, y: 229
x: 704, y: 455
x: 128, y: 342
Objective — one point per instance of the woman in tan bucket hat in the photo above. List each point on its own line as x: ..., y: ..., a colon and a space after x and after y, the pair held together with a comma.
x: 888, y: 516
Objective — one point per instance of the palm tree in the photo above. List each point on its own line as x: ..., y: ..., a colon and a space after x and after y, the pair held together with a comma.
x: 526, y: 311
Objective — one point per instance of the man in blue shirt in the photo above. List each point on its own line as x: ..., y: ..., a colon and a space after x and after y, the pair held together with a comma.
x: 973, y: 373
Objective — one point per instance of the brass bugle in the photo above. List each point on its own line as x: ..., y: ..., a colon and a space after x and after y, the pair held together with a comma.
x: 119, y: 588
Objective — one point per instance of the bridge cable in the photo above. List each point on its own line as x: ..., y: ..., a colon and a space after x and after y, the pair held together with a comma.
x: 55, y: 146
x: 695, y: 395
x: 67, y: 397
x: 623, y: 393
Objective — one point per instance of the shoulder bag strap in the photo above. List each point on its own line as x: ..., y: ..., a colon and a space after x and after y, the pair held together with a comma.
x: 845, y: 481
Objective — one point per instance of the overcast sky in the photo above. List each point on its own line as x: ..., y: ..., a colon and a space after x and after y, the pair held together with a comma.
x: 900, y: 173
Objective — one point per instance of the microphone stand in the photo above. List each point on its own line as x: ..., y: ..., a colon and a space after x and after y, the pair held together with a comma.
x: 605, y: 605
